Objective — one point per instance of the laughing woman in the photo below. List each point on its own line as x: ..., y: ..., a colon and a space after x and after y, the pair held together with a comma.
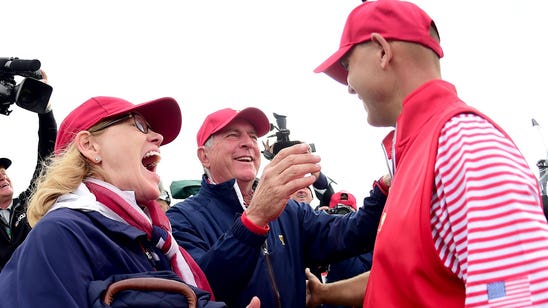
x: 95, y: 219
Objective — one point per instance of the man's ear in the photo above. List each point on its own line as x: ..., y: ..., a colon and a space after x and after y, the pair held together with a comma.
x: 385, y: 49
x: 203, y: 156
x: 86, y: 145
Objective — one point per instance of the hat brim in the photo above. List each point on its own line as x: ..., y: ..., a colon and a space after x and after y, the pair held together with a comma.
x: 253, y: 115
x: 256, y: 117
x: 332, y: 66
x: 163, y: 115
x: 5, y: 163
x: 220, y: 119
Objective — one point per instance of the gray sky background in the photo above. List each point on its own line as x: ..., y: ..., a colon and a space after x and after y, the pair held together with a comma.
x: 215, y: 54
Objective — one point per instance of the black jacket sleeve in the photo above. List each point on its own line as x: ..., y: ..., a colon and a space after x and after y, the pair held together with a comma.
x: 47, y: 134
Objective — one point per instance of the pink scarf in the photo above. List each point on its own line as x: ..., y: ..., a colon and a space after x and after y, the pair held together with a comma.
x: 159, y: 232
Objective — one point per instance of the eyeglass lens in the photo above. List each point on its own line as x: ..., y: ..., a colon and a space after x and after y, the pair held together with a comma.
x: 140, y: 122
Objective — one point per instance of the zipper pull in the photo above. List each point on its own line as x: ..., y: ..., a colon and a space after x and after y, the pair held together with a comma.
x: 149, y: 255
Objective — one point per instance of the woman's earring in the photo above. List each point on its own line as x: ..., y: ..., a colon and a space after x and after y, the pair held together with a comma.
x: 97, y: 159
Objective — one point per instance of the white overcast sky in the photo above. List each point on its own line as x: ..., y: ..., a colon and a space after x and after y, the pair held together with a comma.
x: 210, y: 55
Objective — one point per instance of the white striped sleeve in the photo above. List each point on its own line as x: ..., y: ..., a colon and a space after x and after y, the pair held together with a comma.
x: 486, y: 221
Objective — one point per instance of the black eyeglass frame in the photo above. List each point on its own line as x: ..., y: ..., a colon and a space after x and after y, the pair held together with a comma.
x: 138, y: 120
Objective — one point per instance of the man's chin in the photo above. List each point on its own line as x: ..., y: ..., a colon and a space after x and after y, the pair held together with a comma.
x: 6, y: 193
x: 248, y: 177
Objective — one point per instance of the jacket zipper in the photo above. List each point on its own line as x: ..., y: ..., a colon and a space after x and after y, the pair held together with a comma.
x: 149, y: 256
x: 271, y: 275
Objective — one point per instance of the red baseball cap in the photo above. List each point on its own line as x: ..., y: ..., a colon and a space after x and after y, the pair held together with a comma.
x: 163, y: 115
x: 343, y: 197
x: 221, y: 118
x: 393, y: 19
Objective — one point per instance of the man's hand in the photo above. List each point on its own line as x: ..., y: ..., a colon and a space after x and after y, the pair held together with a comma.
x: 289, y: 171
x: 44, y: 76
x: 254, y: 303
x: 346, y: 292
x: 387, y: 179
x: 45, y: 80
x: 313, y: 290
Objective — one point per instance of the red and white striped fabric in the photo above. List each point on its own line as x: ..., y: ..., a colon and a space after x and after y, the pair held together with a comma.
x: 487, y: 224
x: 157, y: 228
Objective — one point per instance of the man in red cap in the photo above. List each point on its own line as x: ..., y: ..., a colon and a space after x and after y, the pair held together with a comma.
x: 248, y: 236
x: 463, y: 224
x: 13, y: 217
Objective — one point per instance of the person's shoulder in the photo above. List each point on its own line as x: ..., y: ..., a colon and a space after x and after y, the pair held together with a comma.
x: 63, y: 218
x: 18, y: 205
x: 187, y: 207
x: 60, y: 225
x: 189, y: 202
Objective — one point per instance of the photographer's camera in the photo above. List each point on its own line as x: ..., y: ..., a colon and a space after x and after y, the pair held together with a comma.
x: 340, y: 209
x: 282, y: 138
x: 30, y: 94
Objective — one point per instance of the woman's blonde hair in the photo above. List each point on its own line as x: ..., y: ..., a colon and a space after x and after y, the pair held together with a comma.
x: 61, y: 174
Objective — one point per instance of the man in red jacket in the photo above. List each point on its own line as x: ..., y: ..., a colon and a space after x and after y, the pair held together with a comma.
x: 463, y: 223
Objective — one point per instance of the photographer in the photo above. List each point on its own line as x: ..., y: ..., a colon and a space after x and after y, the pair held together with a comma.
x: 13, y: 210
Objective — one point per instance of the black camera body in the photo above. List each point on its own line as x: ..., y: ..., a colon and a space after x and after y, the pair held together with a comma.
x: 340, y: 209
x: 282, y: 137
x: 30, y: 93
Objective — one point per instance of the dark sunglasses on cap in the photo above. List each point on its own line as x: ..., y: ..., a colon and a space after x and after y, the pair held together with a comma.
x: 138, y: 120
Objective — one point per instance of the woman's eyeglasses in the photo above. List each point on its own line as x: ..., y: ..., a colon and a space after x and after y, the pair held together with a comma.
x: 138, y: 120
